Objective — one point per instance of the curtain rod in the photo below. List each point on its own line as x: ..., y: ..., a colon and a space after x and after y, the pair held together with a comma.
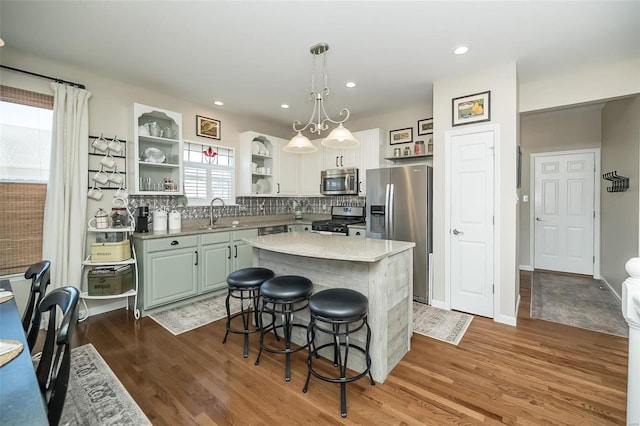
x: 57, y: 80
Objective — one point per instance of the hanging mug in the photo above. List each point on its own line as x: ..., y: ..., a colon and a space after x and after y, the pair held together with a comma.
x: 101, y: 177
x: 115, y: 177
x: 115, y: 145
x: 108, y: 161
x: 100, y: 144
x: 95, y: 193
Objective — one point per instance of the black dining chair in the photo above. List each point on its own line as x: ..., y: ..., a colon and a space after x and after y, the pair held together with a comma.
x: 38, y: 273
x: 55, y: 362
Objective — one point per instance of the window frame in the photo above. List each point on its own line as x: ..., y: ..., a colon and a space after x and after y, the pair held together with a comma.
x: 232, y: 169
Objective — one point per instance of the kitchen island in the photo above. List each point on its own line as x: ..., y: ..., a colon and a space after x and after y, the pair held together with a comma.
x: 382, y: 270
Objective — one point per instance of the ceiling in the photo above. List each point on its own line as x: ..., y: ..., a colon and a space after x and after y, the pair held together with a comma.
x: 255, y: 56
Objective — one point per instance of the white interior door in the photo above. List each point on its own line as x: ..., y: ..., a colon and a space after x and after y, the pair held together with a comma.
x: 471, y: 234
x: 564, y: 212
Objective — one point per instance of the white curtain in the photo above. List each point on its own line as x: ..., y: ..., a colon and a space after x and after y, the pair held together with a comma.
x: 63, y: 233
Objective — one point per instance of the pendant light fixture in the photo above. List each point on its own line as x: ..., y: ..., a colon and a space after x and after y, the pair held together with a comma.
x: 339, y: 137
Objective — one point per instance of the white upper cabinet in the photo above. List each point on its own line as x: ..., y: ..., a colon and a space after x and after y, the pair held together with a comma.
x: 309, y: 167
x: 337, y: 158
x: 155, y: 162
x: 286, y: 176
x: 370, y: 142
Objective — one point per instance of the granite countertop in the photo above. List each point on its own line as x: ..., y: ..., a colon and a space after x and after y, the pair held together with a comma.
x: 336, y: 247
x: 198, y: 227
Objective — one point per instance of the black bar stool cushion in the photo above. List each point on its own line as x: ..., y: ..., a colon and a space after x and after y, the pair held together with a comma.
x: 287, y: 287
x: 249, y: 277
x: 338, y: 303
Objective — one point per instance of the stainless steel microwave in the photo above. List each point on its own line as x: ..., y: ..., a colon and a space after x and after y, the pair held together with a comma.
x: 339, y: 182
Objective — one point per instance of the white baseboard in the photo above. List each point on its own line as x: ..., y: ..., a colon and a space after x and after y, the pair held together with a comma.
x: 439, y: 304
x: 618, y: 298
x: 526, y: 268
x: 509, y: 320
x: 505, y: 319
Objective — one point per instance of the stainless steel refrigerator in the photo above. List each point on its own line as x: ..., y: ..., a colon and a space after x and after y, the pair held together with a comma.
x: 399, y: 207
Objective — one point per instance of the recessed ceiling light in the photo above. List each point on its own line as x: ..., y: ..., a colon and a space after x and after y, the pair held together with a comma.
x: 461, y: 50
x: 1, y: 42
x: 351, y: 84
x: 284, y: 106
x: 219, y: 103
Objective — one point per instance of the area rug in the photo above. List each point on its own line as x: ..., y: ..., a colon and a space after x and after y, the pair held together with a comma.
x: 188, y: 317
x: 447, y: 326
x: 95, y: 395
x: 576, y: 301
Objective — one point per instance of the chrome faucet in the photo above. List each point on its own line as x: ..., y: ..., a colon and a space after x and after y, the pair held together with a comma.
x: 212, y: 219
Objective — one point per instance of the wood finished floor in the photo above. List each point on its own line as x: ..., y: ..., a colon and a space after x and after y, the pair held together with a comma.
x: 536, y: 373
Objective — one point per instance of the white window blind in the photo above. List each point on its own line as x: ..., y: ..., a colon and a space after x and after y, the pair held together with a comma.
x: 208, y: 172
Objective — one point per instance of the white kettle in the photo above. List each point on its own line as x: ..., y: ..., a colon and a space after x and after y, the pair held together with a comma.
x: 160, y: 220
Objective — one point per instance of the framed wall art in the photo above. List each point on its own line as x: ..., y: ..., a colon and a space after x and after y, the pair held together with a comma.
x: 207, y: 127
x: 401, y: 136
x: 471, y: 108
x: 425, y: 127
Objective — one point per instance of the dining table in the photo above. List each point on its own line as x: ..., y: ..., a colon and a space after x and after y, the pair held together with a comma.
x: 21, y: 402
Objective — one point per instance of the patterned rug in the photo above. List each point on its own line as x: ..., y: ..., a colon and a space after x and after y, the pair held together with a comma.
x: 577, y: 301
x: 447, y: 326
x: 187, y: 317
x: 95, y: 395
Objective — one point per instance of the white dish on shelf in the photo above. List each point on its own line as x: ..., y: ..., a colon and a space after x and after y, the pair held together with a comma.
x: 154, y: 155
x: 264, y: 186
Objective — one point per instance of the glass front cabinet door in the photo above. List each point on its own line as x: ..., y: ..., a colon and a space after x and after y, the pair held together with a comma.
x: 156, y: 158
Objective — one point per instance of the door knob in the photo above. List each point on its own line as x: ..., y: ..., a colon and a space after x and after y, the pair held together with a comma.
x: 456, y: 232
x: 539, y: 220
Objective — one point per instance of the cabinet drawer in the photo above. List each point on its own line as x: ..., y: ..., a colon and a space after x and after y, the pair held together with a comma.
x: 215, y: 238
x: 171, y: 243
x: 245, y: 233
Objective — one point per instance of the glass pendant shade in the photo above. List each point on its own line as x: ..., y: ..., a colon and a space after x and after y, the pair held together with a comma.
x: 300, y: 144
x: 340, y: 137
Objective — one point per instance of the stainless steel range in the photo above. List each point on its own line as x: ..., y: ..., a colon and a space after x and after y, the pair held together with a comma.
x: 341, y: 218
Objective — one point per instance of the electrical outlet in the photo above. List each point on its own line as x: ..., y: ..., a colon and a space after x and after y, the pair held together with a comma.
x: 525, y: 198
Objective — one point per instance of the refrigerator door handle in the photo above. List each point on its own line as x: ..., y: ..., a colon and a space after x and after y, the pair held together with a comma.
x: 390, y: 233
x: 386, y: 212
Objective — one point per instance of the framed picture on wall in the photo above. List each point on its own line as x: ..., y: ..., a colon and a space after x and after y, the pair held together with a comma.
x: 425, y: 127
x: 471, y: 108
x: 207, y: 127
x: 401, y: 136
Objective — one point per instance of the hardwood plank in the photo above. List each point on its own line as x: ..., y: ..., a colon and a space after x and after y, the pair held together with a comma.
x: 538, y: 372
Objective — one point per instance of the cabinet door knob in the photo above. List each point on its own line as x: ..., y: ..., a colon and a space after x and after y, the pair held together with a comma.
x: 278, y: 188
x: 341, y: 161
x: 358, y: 233
x: 196, y: 257
x: 229, y: 257
x: 174, y: 243
x: 236, y: 247
x: 337, y: 162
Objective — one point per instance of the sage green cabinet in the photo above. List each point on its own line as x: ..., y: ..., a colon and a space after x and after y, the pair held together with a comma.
x: 223, y: 253
x: 216, y: 260
x: 177, y: 268
x: 168, y: 269
x: 242, y: 252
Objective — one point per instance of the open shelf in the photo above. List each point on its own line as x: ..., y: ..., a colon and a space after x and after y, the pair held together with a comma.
x: 132, y: 292
x: 409, y: 157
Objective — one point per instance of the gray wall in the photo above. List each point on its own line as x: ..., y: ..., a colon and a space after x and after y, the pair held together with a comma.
x: 620, y: 151
x: 550, y: 131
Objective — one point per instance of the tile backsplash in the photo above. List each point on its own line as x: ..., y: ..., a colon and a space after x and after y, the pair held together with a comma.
x: 248, y: 206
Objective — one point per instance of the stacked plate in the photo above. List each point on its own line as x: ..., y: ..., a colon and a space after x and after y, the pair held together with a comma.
x: 264, y: 186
